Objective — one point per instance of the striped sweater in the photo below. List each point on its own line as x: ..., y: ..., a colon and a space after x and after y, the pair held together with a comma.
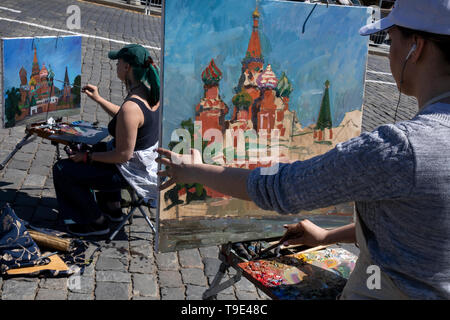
x: 399, y: 177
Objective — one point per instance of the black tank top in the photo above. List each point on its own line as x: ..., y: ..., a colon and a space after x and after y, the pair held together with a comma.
x: 147, y: 135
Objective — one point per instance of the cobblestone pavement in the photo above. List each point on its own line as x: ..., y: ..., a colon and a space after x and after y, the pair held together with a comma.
x: 127, y: 268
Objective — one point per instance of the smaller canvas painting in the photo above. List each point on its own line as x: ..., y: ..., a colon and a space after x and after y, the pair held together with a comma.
x: 41, y: 79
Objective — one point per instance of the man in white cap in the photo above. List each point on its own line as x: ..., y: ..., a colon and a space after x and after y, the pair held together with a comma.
x: 398, y: 175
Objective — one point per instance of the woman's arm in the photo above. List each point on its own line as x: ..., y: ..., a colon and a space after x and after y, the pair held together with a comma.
x: 129, y: 120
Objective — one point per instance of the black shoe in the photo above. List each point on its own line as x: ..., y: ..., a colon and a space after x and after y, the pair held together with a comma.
x: 115, y: 215
x: 91, y: 229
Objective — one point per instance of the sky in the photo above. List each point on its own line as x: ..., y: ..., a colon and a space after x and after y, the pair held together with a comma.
x: 330, y: 49
x: 18, y: 53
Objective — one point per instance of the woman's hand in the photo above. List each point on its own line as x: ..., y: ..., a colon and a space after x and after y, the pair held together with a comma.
x: 305, y: 232
x: 78, y: 157
x: 91, y: 91
x: 178, y: 167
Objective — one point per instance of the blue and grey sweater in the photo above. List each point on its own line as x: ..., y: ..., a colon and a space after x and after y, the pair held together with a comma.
x: 399, y: 177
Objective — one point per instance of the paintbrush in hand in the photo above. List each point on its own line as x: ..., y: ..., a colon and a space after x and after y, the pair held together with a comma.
x: 289, y: 234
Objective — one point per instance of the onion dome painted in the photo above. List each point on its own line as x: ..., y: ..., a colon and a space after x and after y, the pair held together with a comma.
x: 256, y: 13
x: 284, y: 87
x: 212, y: 74
x: 267, y: 79
x: 44, y: 72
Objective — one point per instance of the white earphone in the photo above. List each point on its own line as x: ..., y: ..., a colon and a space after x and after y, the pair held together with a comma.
x: 413, y: 48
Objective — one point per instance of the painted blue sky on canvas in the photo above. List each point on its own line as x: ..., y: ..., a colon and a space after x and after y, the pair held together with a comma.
x: 330, y: 49
x: 66, y: 51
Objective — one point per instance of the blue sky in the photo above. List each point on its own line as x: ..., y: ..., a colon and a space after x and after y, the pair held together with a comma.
x: 330, y: 49
x: 66, y: 51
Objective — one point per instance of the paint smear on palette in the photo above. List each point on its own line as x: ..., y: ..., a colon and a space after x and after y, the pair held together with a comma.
x: 303, y: 276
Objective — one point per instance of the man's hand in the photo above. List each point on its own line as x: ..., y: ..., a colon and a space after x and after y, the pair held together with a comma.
x: 304, y: 232
x: 178, y: 167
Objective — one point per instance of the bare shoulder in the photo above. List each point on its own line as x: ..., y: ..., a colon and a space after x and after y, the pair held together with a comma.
x: 130, y: 106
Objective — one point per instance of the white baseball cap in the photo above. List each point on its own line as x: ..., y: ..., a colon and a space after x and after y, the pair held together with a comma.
x: 431, y: 16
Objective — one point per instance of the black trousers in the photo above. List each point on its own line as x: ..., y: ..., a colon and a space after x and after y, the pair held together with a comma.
x: 75, y: 184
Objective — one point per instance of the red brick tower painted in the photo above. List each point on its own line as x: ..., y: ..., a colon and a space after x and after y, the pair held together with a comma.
x: 24, y: 88
x: 67, y: 89
x: 252, y: 67
x: 211, y: 110
x: 35, y: 70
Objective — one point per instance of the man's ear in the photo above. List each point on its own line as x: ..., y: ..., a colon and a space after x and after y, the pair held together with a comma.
x: 417, y: 53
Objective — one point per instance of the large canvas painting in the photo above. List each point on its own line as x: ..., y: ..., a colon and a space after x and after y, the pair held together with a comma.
x: 41, y: 78
x: 251, y: 84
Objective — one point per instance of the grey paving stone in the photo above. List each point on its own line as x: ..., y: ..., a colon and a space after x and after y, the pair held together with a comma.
x: 142, y: 265
x: 262, y: 295
x: 106, y: 263
x: 245, y: 295
x: 14, y: 175
x: 38, y: 169
x: 211, y: 266
x: 112, y: 291
x: 80, y: 296
x: 34, y: 180
x: 22, y: 156
x: 112, y: 276
x: 195, y: 292
x: 145, y: 298
x: 51, y: 294
x: 245, y: 285
x: 145, y: 285
x: 118, y: 253
x: 53, y: 284
x: 170, y: 279
x: 143, y: 251
x: 223, y: 296
x: 20, y: 289
x: 209, y: 252
x: 227, y: 291
x: 190, y: 258
x: 19, y: 165
x: 167, y: 261
x: 172, y: 293
x: 194, y: 276
x: 81, y: 284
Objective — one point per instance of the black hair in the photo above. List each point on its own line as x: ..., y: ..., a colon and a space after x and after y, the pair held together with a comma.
x: 441, y: 41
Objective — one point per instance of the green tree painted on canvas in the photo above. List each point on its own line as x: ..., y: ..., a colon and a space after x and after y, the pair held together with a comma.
x: 242, y: 100
x: 324, y: 120
x: 12, y: 106
x: 76, y: 91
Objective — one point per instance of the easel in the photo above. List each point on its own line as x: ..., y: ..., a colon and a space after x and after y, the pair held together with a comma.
x: 228, y: 260
x: 49, y: 132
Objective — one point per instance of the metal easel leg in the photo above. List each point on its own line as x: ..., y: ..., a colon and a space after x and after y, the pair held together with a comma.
x: 58, y: 154
x: 124, y: 220
x: 147, y: 219
x: 17, y: 148
x: 216, y: 286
